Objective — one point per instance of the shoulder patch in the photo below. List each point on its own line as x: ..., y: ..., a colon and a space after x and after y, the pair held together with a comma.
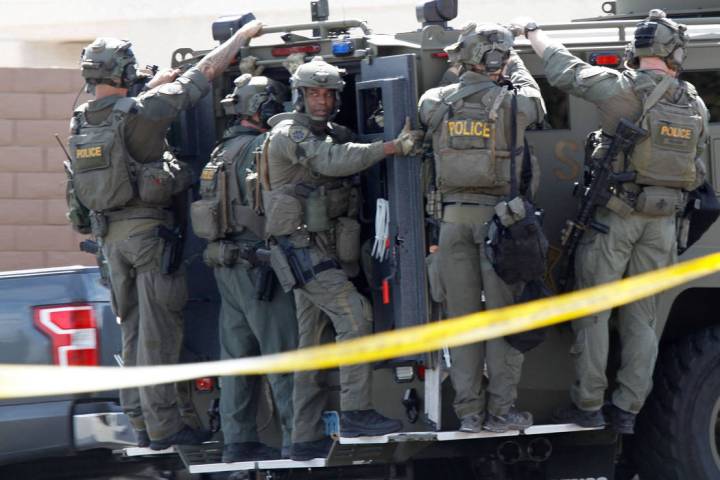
x: 298, y: 133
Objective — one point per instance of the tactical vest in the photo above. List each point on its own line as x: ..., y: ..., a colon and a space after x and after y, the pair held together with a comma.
x: 666, y: 157
x: 312, y: 202
x: 105, y: 176
x: 472, y: 143
x: 223, y: 210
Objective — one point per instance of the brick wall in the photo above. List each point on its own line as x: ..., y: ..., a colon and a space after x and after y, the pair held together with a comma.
x: 35, y: 103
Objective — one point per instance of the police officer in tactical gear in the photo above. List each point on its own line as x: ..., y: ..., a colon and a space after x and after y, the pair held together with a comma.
x: 470, y: 123
x: 255, y: 318
x: 641, y: 215
x: 311, y: 205
x: 122, y: 172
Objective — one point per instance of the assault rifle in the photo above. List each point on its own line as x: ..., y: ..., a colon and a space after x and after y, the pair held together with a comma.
x: 598, y: 193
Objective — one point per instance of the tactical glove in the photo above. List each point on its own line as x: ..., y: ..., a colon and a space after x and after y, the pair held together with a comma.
x: 293, y: 61
x: 249, y: 65
x: 409, y: 142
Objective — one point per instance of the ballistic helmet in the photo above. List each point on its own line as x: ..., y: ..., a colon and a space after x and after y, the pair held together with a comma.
x: 487, y: 45
x: 252, y: 95
x: 658, y: 36
x: 109, y: 61
x: 316, y: 73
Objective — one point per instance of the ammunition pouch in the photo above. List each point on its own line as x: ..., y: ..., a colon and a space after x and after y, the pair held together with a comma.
x: 157, y: 182
x: 620, y: 206
x: 221, y: 254
x: 518, y: 252
x: 316, y: 217
x: 659, y: 201
x: 205, y: 216
x: 347, y: 240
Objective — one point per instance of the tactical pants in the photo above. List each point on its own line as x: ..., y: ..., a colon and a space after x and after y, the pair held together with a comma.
x: 467, y: 276
x: 251, y: 327
x: 149, y: 305
x: 328, y: 299
x: 634, y: 245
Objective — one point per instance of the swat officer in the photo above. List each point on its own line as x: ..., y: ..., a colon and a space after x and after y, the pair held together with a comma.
x: 641, y: 214
x: 122, y: 172
x: 254, y: 319
x: 470, y: 123
x: 311, y: 204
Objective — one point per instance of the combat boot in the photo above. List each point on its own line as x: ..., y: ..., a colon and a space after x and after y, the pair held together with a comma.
x: 302, y: 451
x: 143, y: 440
x: 472, y: 423
x: 367, y: 423
x: 186, y: 436
x: 582, y: 418
x: 248, y: 452
x: 621, y: 421
x: 514, y: 419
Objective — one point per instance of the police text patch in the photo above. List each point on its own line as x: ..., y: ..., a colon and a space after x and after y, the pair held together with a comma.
x: 470, y: 128
x: 676, y: 137
x: 89, y: 152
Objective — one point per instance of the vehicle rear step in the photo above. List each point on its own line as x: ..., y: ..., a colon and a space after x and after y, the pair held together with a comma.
x: 346, y: 451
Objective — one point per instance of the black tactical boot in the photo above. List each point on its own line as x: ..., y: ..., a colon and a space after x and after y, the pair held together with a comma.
x: 514, y: 419
x: 472, y: 423
x: 367, y: 423
x: 302, y: 451
x: 621, y: 421
x: 248, y: 452
x: 186, y: 436
x: 582, y: 418
x: 143, y: 440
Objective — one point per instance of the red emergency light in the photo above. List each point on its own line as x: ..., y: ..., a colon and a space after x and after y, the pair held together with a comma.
x: 605, y: 59
x: 285, y: 51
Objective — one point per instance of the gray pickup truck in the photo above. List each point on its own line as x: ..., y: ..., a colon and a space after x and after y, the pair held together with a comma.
x: 58, y: 316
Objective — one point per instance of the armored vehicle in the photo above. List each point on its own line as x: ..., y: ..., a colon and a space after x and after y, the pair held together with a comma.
x: 677, y: 432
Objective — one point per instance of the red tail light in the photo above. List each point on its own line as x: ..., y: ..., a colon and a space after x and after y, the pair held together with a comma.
x: 205, y: 384
x: 73, y: 332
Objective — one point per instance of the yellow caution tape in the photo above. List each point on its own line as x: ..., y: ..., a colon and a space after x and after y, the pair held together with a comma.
x: 39, y: 380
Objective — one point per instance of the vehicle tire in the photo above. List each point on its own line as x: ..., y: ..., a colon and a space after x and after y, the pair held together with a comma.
x: 677, y: 435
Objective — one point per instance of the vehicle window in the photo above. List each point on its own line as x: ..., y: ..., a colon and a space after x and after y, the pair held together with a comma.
x: 556, y: 102
x: 707, y: 83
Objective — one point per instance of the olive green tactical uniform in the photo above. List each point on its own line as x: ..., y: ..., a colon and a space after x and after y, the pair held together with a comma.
x: 636, y: 242
x: 249, y: 326
x: 464, y: 271
x: 148, y: 302
x: 298, y: 156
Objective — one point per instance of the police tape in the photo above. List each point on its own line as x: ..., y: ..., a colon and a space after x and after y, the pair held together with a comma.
x: 40, y: 380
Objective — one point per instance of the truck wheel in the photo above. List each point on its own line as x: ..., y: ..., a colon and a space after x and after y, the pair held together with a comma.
x: 678, y: 431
